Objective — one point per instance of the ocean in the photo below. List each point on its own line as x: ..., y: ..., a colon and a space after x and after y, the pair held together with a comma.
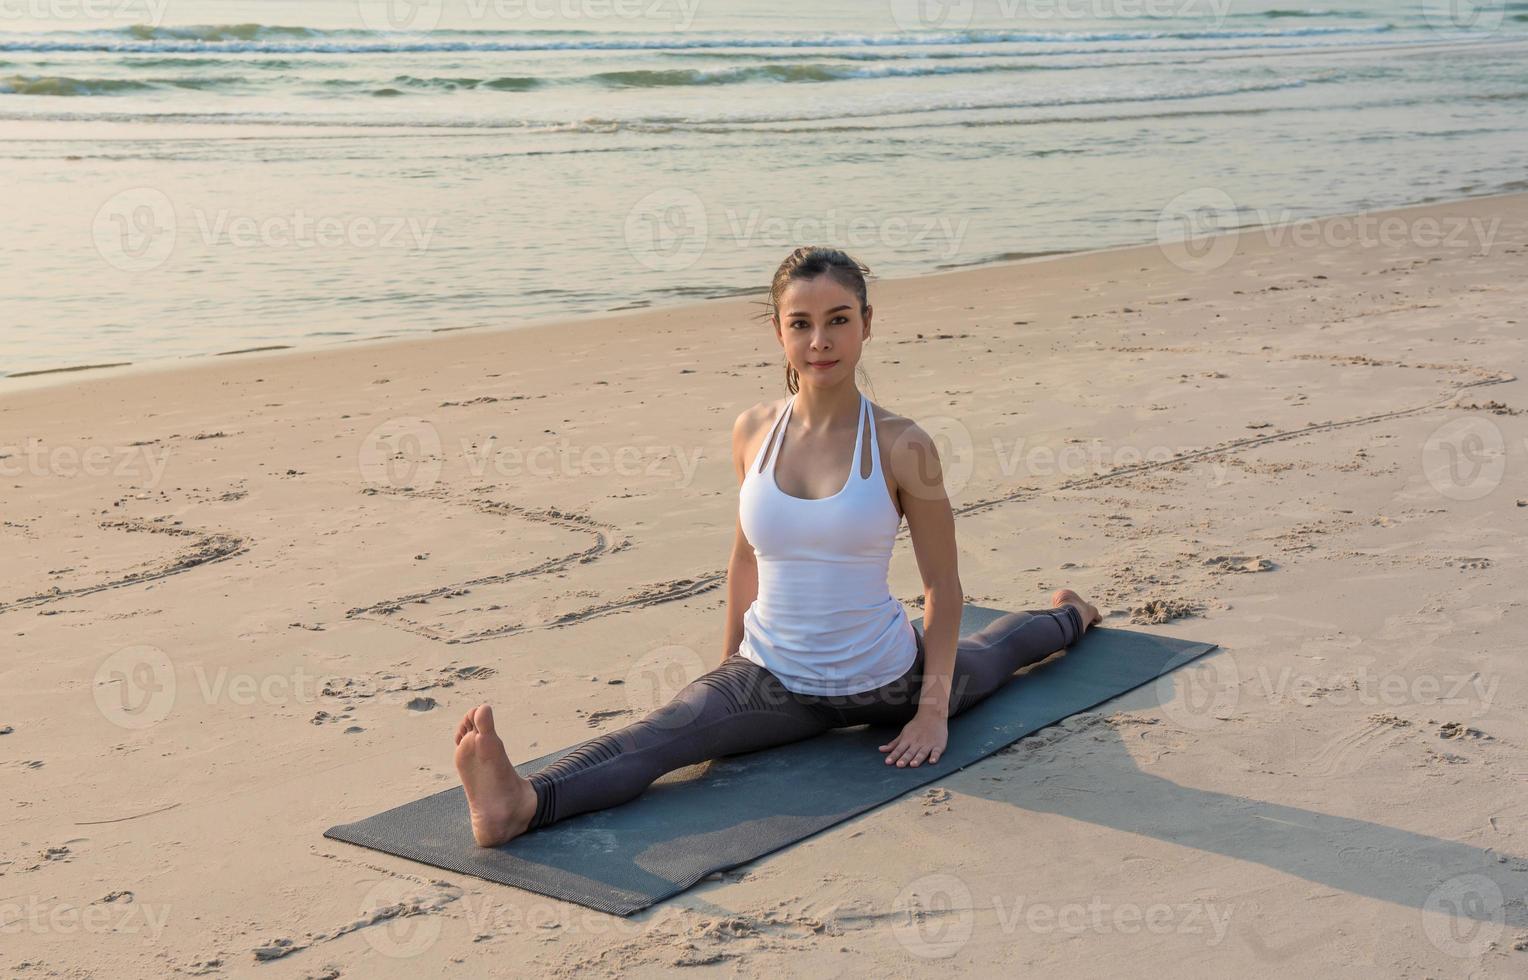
x: 184, y: 178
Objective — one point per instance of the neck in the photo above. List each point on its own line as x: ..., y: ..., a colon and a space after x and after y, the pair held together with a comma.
x: 824, y: 408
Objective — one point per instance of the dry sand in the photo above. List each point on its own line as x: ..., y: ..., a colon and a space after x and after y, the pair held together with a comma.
x: 231, y: 621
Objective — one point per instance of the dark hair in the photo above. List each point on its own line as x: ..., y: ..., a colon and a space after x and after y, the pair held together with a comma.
x: 809, y: 262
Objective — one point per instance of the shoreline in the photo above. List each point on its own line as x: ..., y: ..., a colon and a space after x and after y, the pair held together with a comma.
x: 35, y: 379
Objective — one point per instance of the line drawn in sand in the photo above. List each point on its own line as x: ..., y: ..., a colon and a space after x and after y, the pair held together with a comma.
x: 607, y: 540
x: 208, y: 547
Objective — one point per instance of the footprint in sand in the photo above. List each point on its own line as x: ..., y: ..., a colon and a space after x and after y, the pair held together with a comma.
x: 1158, y: 611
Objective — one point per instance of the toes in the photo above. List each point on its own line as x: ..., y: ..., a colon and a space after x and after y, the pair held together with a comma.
x: 482, y: 719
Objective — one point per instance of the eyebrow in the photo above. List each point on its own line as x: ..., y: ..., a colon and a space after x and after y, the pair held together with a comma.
x: 835, y: 309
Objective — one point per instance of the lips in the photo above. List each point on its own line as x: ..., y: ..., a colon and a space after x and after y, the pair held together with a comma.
x: 821, y: 364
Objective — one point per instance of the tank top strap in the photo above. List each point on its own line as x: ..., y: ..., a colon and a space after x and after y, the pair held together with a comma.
x: 859, y: 440
x: 774, y: 435
x: 875, y: 445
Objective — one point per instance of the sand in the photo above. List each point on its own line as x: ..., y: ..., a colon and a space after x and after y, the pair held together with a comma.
x: 247, y: 598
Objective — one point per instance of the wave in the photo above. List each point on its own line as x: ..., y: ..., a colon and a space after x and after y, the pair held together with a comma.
x: 1302, y: 14
x: 666, y: 78
x: 657, y: 78
x: 509, y: 83
x: 193, y: 61
x: 764, y: 69
x: 256, y: 38
x: 757, y: 65
x: 668, y: 124
x: 216, y: 32
x: 59, y: 85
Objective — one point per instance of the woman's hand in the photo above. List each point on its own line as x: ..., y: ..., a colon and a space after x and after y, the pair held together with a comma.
x: 922, y: 738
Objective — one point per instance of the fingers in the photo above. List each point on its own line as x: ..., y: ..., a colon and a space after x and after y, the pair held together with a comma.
x: 915, y: 745
x: 910, y: 754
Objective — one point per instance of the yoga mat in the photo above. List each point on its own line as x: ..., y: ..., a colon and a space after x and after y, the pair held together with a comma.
x: 729, y: 811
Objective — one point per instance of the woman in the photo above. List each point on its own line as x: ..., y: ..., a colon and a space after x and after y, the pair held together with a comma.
x: 814, y: 638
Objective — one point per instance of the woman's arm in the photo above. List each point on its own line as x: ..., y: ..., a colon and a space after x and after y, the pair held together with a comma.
x: 931, y: 523
x: 743, y: 565
x: 920, y: 489
x: 742, y: 589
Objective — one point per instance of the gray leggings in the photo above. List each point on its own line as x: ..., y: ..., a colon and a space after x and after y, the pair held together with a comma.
x: 739, y: 707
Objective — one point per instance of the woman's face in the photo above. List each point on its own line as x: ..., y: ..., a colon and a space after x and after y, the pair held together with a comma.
x: 821, y: 329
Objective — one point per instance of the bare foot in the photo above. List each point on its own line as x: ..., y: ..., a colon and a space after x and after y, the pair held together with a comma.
x: 1090, y: 613
x: 500, y: 800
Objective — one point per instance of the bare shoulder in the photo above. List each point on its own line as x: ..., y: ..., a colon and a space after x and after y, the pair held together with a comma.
x: 891, y: 428
x: 908, y: 453
x: 749, y: 429
x: 756, y: 417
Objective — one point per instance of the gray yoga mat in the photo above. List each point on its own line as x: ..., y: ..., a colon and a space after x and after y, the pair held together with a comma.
x: 729, y: 811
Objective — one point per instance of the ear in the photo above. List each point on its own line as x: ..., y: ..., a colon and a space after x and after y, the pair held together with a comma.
x: 869, y: 311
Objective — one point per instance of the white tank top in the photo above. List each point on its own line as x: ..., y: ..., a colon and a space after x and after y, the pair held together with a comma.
x: 824, y: 621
